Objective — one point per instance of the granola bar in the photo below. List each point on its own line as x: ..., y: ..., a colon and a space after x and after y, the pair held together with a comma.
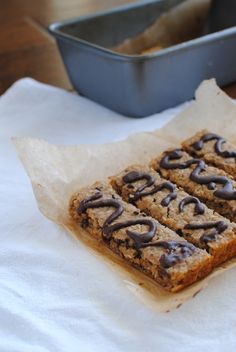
x: 176, y: 209
x: 140, y: 240
x: 211, y: 185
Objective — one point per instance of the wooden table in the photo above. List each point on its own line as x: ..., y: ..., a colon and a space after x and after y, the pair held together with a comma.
x: 26, y: 49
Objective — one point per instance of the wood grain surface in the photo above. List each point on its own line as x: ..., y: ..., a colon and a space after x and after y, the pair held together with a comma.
x: 26, y: 49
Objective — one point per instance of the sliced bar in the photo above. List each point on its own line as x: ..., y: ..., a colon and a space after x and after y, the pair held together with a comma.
x: 142, y: 241
x: 214, y: 149
x: 176, y: 209
x: 211, y: 185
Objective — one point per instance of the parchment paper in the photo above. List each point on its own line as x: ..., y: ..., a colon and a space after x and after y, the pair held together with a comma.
x: 56, y: 172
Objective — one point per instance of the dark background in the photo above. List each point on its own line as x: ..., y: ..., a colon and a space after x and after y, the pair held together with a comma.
x: 26, y: 49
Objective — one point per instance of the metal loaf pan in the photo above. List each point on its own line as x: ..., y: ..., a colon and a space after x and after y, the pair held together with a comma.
x: 140, y: 85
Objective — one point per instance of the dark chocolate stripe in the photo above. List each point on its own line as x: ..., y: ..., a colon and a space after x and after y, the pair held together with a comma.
x: 138, y: 238
x: 199, y: 207
x: 95, y: 201
x: 227, y: 192
x: 219, y: 227
x: 218, y: 145
x: 177, y: 251
x: 135, y: 176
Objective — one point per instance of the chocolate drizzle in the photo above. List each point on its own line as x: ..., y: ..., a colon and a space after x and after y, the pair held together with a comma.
x: 95, y: 201
x: 139, y: 239
x: 176, y: 251
x: 218, y: 145
x: 219, y: 227
x: 176, y: 154
x: 199, y: 207
x: 135, y: 176
x: 227, y: 192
